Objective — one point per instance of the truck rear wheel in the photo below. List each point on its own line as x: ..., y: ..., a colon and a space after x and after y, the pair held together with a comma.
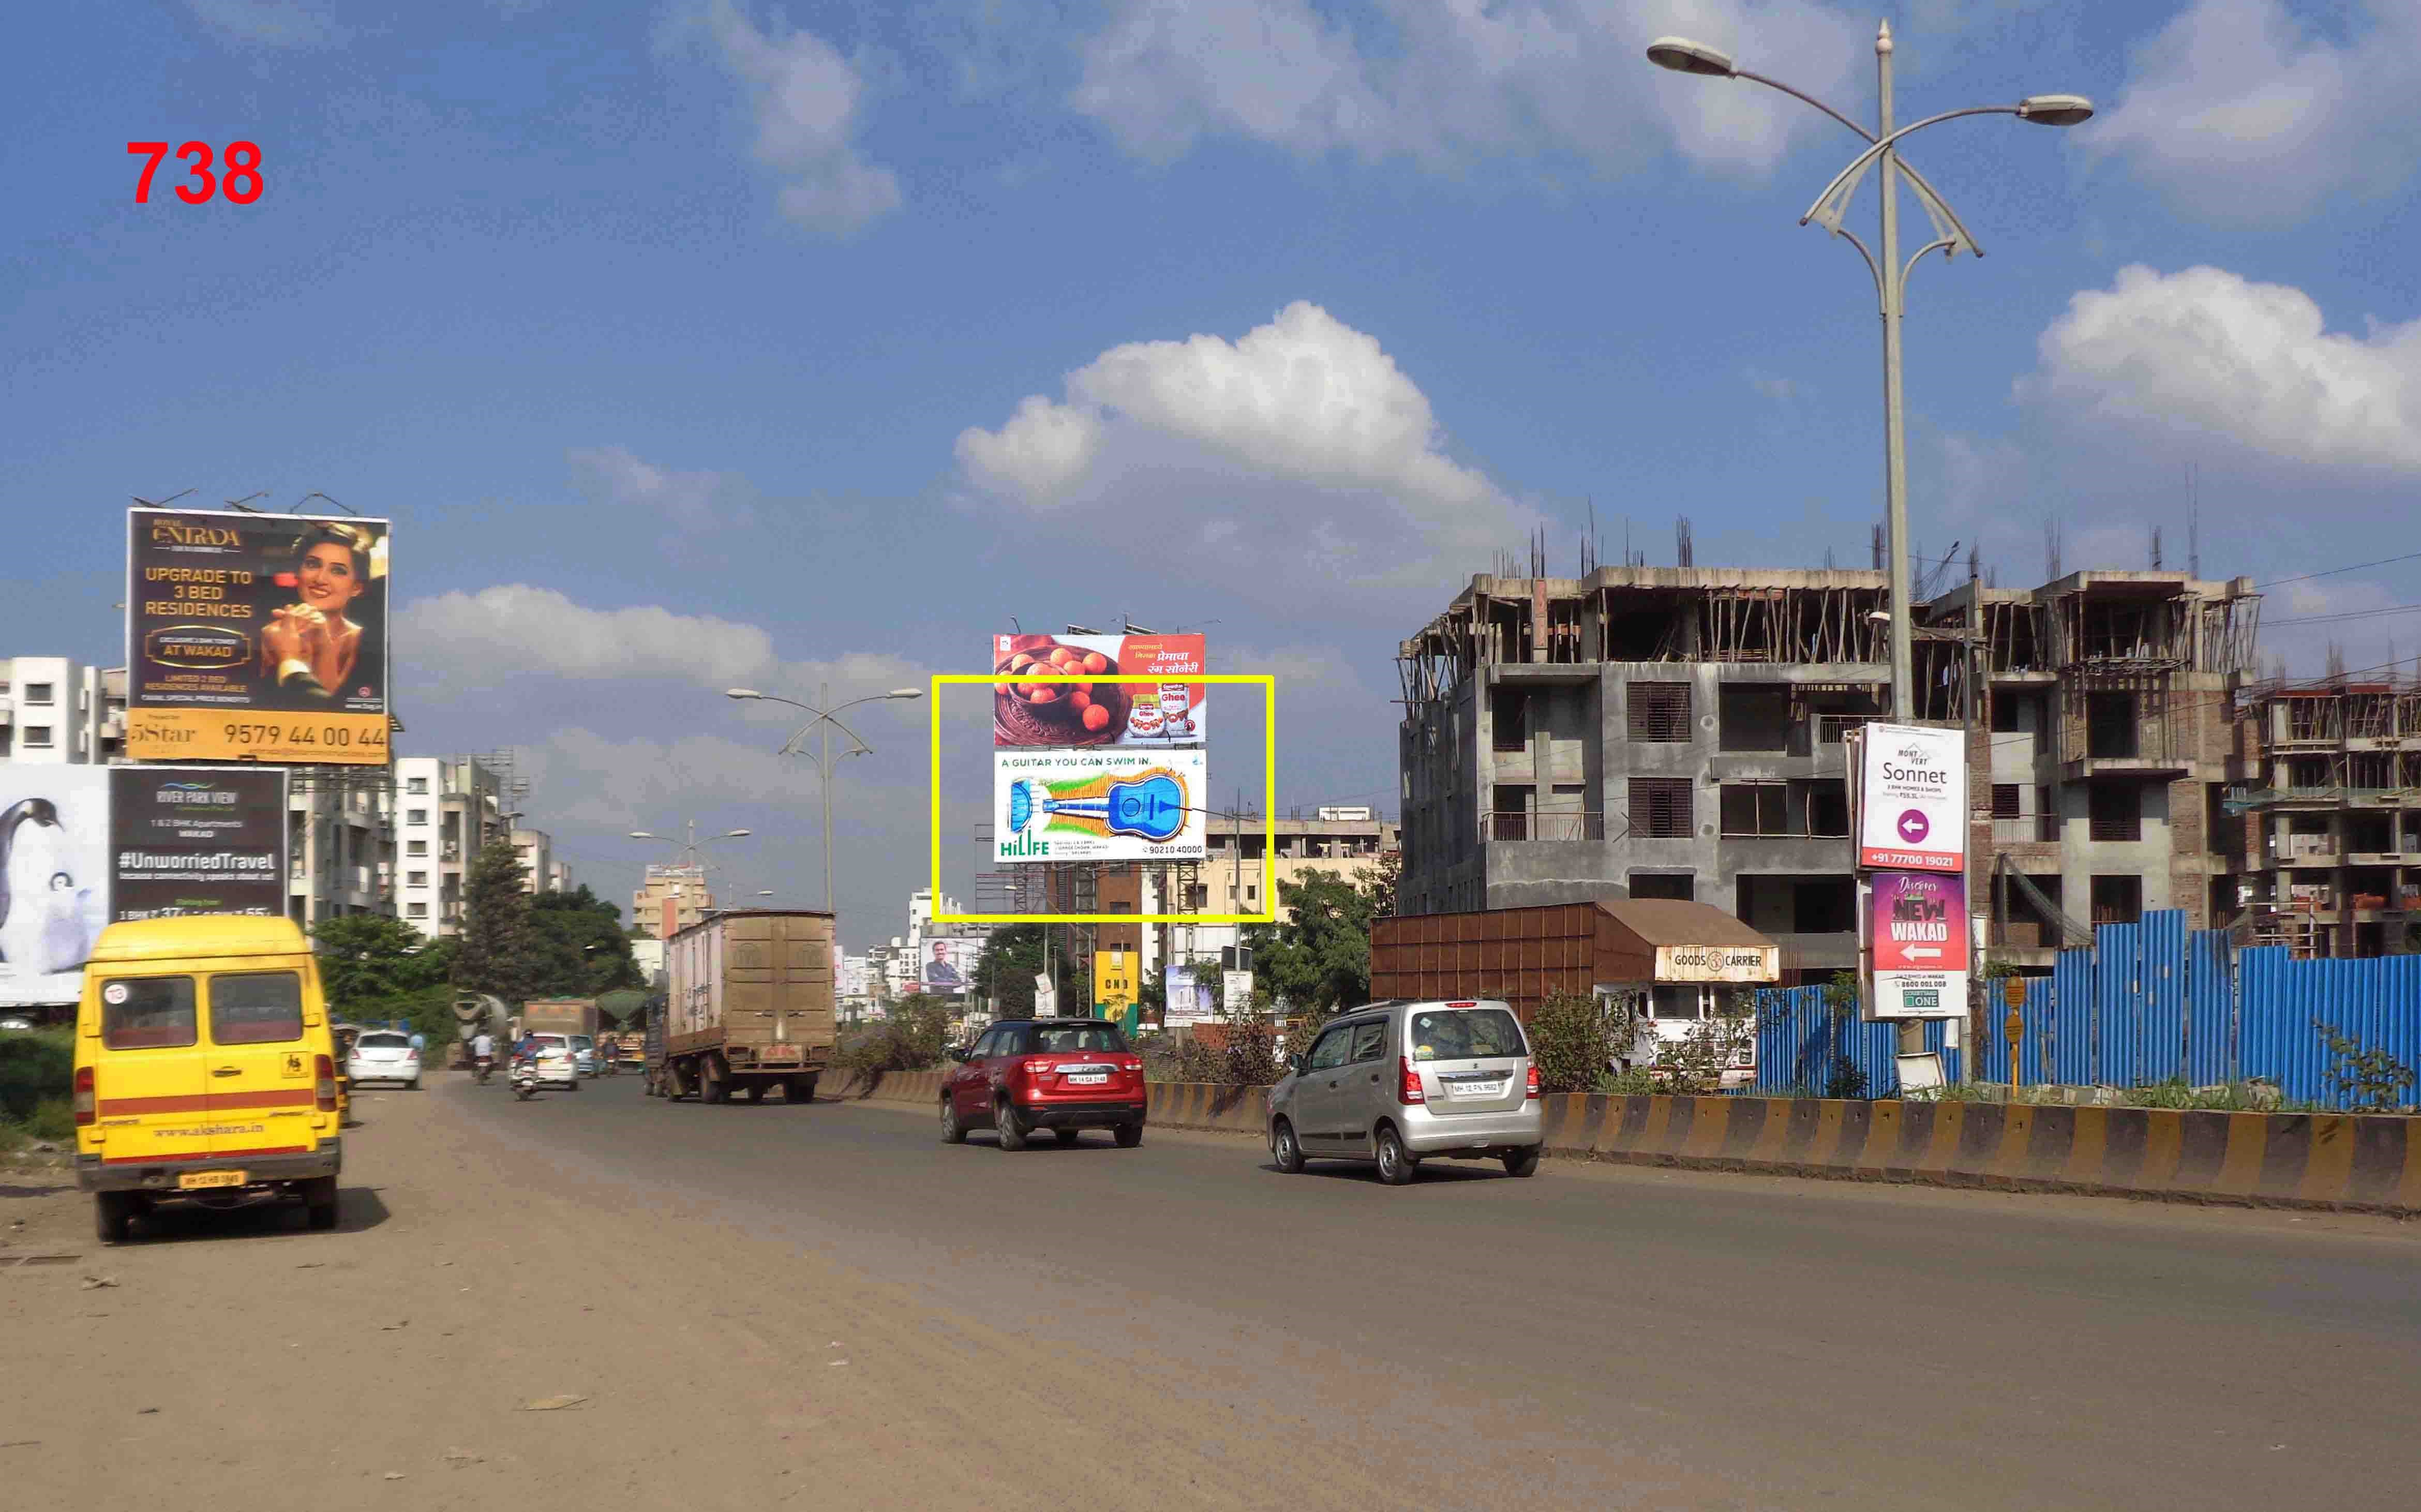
x: 755, y: 1091
x: 800, y: 1089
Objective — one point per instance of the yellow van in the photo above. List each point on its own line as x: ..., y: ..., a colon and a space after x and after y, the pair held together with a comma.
x: 204, y: 1068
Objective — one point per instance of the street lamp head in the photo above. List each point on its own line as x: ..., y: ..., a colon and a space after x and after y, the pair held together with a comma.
x: 735, y: 834
x: 1683, y: 56
x: 2055, y: 110
x: 905, y: 693
x: 642, y: 834
x: 1879, y: 616
x: 742, y: 692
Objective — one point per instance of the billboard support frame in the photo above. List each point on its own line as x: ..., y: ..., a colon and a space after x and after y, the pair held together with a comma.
x: 1265, y: 681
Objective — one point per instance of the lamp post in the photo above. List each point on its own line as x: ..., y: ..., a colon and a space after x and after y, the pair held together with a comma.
x: 692, y: 848
x: 824, y: 724
x: 1682, y: 56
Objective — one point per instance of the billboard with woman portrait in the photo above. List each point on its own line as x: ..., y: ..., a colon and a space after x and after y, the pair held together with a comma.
x: 256, y: 637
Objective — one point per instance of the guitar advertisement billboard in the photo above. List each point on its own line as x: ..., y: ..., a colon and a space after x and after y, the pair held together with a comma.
x: 1103, y: 804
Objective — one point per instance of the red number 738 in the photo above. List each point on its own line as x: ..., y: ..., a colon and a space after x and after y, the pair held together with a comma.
x: 241, y: 182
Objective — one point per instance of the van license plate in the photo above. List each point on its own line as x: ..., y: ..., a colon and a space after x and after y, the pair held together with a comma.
x: 1475, y: 1089
x: 193, y: 1179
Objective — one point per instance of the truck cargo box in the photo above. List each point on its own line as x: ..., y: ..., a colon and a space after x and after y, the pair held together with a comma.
x: 752, y: 987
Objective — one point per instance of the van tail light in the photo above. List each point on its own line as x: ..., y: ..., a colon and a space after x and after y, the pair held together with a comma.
x: 86, y: 1105
x: 324, y: 1069
x: 1533, y: 1080
x: 1408, y: 1090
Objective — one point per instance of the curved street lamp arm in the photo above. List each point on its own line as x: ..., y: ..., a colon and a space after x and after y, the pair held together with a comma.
x: 1950, y: 246
x: 1946, y: 219
x: 1865, y: 160
x: 1805, y: 99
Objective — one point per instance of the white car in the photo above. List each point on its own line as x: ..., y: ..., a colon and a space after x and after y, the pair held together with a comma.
x: 14, y: 1024
x: 583, y: 1055
x: 383, y: 1055
x: 556, y: 1065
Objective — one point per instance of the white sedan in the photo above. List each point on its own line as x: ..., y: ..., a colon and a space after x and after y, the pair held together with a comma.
x: 383, y: 1055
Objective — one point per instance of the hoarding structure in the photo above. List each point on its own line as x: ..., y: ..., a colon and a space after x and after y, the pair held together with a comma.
x: 1909, y: 799
x: 196, y: 840
x: 253, y: 637
x: 947, y: 967
x: 1099, y: 805
x: 1188, y: 997
x: 54, y: 879
x: 1165, y: 711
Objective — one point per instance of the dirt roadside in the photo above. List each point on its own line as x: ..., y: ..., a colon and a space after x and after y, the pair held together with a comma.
x: 240, y: 1360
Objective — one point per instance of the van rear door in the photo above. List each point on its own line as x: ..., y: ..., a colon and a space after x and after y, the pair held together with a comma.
x: 149, y: 1100
x: 262, y: 1069
x: 1470, y: 1057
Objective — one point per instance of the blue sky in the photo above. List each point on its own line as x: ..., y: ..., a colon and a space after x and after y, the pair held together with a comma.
x: 710, y: 342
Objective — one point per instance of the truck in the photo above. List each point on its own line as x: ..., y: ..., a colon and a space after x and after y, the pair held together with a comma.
x: 749, y: 1006
x: 559, y: 1016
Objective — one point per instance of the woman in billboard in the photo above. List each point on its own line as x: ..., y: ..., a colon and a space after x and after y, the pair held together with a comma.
x: 311, y: 647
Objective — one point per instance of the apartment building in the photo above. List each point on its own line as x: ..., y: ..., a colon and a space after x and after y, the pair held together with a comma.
x: 670, y: 898
x: 2326, y: 833
x: 2101, y: 757
x: 1676, y: 732
x: 339, y: 844
x: 55, y: 711
x: 543, y: 870
x: 447, y: 810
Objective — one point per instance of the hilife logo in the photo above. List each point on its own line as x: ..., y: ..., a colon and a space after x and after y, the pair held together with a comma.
x: 1912, y: 826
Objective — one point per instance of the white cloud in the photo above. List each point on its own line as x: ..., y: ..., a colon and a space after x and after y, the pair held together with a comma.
x: 806, y: 101
x: 270, y: 23
x: 2211, y: 352
x: 691, y: 500
x: 514, y: 630
x: 1446, y: 83
x: 1301, y: 444
x: 2240, y: 112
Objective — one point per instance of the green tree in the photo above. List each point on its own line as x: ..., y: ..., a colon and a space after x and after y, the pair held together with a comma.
x: 368, y: 958
x: 1012, y: 959
x: 493, y: 952
x: 578, y: 947
x: 1319, y: 957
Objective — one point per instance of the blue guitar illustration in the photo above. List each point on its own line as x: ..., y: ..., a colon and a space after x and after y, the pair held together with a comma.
x: 1151, y: 807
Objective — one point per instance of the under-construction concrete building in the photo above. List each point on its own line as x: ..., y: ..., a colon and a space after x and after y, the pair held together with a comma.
x: 1676, y: 732
x: 2329, y: 843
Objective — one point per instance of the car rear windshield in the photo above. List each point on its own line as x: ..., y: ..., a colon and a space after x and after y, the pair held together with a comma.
x: 1055, y: 1039
x: 255, y: 1007
x: 1464, y: 1034
x: 146, y: 1012
x: 386, y: 1039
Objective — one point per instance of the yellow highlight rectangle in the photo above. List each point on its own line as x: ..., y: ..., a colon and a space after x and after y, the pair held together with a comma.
x: 1268, y: 686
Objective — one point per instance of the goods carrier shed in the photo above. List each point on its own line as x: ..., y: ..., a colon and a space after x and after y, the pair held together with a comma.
x: 1681, y: 960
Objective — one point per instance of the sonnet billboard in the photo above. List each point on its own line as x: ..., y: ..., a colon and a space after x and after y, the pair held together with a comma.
x: 256, y: 637
x: 1912, y: 799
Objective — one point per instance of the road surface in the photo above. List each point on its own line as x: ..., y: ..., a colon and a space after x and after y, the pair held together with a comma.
x: 1181, y: 1325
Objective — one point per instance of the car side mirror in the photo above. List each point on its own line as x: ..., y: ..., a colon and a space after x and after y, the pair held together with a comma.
x: 1294, y: 1064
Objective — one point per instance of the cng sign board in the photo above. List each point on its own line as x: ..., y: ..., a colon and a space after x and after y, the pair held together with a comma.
x: 1912, y: 799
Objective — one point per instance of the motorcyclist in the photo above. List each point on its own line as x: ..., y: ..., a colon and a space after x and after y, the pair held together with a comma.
x: 483, y: 1053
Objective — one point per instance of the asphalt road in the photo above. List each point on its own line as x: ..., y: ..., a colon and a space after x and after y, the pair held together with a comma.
x: 1642, y: 1338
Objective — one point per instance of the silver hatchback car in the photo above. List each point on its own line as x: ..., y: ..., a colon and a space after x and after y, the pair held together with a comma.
x: 1395, y: 1083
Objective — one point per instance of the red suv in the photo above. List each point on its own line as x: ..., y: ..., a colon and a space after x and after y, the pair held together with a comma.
x: 1062, y: 1074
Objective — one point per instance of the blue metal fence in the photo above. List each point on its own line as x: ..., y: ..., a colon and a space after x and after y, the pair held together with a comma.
x: 2151, y: 1002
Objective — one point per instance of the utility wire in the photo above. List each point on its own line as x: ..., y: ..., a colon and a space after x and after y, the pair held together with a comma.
x: 2306, y: 577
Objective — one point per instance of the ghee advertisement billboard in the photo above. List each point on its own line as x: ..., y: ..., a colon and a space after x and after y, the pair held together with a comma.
x: 1041, y: 712
x: 256, y: 637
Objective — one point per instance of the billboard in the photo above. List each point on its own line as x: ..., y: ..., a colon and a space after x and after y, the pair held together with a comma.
x: 196, y: 840
x: 1116, y: 988
x: 1099, y: 805
x: 1189, y: 997
x: 947, y: 967
x: 1916, y: 936
x: 54, y: 879
x: 1911, y: 799
x: 256, y: 637
x: 1078, y: 714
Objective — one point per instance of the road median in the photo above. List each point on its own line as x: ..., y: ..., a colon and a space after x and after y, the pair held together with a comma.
x: 2347, y: 1163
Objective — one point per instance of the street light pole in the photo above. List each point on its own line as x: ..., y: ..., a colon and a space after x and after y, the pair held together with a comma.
x: 1903, y: 662
x: 824, y: 724
x: 1682, y: 56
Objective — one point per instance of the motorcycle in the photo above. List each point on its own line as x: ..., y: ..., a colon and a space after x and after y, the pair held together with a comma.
x: 482, y: 1067
x: 524, y: 1079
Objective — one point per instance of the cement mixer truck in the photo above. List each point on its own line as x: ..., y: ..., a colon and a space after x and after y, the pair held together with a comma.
x: 474, y: 1012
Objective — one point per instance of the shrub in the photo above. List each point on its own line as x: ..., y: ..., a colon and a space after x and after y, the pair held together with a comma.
x: 1847, y: 1079
x: 35, y: 1067
x: 2369, y: 1081
x: 1569, y: 1043
x: 53, y: 1119
x: 910, y: 1039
